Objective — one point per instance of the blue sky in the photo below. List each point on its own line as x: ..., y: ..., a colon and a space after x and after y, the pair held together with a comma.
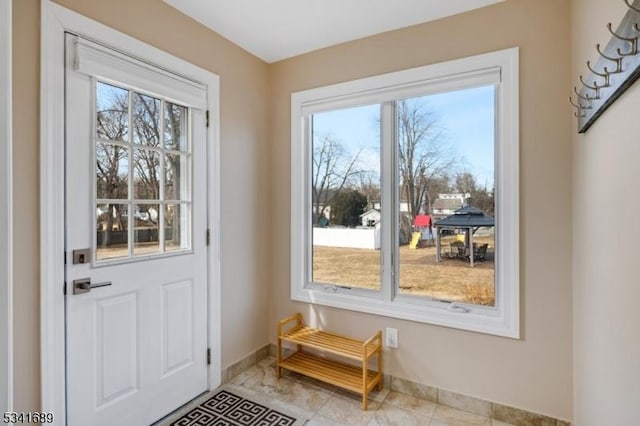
x: 465, y: 116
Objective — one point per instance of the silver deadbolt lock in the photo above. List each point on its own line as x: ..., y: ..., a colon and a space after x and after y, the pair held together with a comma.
x: 81, y: 256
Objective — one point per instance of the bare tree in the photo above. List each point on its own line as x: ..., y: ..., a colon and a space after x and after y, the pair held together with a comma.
x: 425, y: 156
x: 332, y: 170
x: 147, y: 162
x: 114, y: 161
x: 465, y: 183
x: 146, y: 131
x: 481, y: 197
x: 175, y: 125
x: 369, y: 185
x: 112, y: 183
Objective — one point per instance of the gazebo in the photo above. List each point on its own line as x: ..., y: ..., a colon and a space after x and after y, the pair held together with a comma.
x: 468, y: 218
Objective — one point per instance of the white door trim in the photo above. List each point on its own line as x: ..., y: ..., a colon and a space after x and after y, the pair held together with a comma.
x: 55, y: 21
x: 6, y: 212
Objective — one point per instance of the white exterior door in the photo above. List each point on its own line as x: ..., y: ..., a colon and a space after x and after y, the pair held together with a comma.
x: 136, y: 300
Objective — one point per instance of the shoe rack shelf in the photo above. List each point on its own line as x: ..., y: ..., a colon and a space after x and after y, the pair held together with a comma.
x: 338, y: 360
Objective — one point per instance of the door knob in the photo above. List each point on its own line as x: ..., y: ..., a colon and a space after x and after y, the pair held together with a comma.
x: 83, y: 285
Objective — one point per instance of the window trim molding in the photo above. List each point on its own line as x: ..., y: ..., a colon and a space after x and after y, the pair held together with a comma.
x: 504, y: 319
x: 6, y: 215
x: 107, y: 65
x: 55, y: 20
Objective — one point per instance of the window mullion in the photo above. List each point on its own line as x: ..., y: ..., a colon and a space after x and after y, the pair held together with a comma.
x: 130, y: 207
x: 307, y: 133
x: 163, y: 159
x: 389, y: 244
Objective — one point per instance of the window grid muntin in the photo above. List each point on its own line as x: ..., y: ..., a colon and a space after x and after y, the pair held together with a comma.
x: 161, y: 206
x: 186, y: 157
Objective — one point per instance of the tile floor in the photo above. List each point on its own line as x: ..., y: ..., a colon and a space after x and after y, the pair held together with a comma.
x: 324, y: 404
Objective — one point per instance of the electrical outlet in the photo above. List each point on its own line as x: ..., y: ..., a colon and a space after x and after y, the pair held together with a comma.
x: 391, y: 337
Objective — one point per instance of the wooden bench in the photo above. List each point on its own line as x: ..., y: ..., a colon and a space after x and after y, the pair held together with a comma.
x: 356, y: 376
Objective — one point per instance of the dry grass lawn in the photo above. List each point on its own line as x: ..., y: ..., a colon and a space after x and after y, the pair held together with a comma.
x: 139, y: 249
x: 451, y: 279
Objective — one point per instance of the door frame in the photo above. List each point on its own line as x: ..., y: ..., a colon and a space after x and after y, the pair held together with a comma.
x: 55, y: 20
x: 6, y: 215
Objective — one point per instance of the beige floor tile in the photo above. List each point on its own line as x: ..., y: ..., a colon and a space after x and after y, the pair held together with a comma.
x: 267, y: 362
x: 414, y: 389
x: 318, y: 420
x: 246, y: 374
x: 517, y: 416
x: 307, y: 397
x: 435, y: 422
x: 237, y: 368
x: 411, y: 403
x: 347, y: 411
x: 391, y: 415
x: 464, y: 403
x: 499, y: 423
x: 321, y: 404
x: 379, y: 396
x: 267, y: 383
x: 373, y: 396
x: 454, y: 417
x: 301, y: 378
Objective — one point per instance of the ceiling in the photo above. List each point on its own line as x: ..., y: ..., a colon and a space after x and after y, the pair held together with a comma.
x: 279, y: 29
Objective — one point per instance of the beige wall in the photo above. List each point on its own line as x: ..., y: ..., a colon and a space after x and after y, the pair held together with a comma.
x: 26, y: 317
x: 244, y: 145
x: 606, y: 205
x: 535, y: 372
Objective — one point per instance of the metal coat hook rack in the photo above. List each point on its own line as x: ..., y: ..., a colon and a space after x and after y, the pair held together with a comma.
x: 604, y: 74
x: 632, y: 7
x: 615, y: 70
x: 579, y: 107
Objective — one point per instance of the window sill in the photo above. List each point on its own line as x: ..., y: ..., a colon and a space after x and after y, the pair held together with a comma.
x: 492, y: 321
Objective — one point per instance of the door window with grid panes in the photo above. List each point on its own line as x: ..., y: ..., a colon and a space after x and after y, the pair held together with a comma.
x: 142, y: 174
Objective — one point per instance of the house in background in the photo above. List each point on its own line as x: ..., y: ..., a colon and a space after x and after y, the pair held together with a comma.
x: 447, y: 204
x: 370, y: 218
x: 404, y: 206
x: 579, y: 342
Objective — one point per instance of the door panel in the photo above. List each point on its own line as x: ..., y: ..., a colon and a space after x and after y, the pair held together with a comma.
x: 136, y: 197
x: 116, y: 347
x: 177, y: 326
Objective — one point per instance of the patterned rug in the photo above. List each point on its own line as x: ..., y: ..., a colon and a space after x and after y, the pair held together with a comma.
x: 226, y: 408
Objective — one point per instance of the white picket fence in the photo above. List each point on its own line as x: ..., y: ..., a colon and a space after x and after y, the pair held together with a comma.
x: 365, y: 238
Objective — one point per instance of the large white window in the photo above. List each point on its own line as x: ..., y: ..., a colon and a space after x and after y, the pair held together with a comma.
x: 405, y: 194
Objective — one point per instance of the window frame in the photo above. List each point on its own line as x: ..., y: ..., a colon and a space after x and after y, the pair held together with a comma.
x: 504, y: 318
